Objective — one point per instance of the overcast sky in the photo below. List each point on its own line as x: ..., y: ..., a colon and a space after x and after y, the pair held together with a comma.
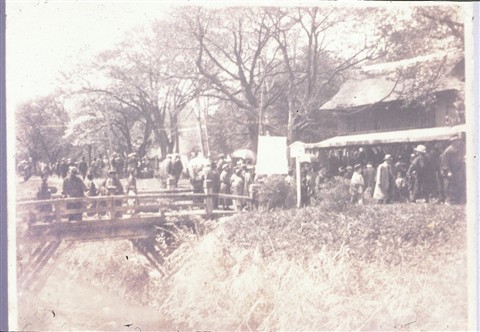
x: 45, y: 38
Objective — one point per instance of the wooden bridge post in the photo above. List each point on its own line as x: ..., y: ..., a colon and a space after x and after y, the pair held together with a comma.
x: 207, y: 186
x: 112, y: 208
x: 170, y: 183
x: 253, y: 196
x: 58, y: 210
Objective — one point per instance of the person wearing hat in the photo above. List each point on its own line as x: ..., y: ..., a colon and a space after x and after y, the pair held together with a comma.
x: 73, y: 186
x: 221, y: 161
x: 114, y: 187
x: 113, y: 184
x: 357, y: 184
x: 225, y: 177
x: 453, y: 171
x: 418, y: 172
x: 236, y: 185
x: 384, y: 181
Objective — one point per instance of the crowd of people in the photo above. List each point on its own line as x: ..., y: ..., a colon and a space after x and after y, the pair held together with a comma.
x: 78, y: 181
x: 97, y: 168
x: 82, y: 180
x: 227, y: 176
x: 427, y: 175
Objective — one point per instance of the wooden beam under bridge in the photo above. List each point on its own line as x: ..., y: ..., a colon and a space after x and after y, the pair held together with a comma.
x: 132, y: 228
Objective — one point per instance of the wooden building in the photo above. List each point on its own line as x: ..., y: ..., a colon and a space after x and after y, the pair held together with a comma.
x: 381, y: 97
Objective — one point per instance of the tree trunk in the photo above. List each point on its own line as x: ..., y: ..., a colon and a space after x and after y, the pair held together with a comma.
x: 253, y: 135
x: 291, y: 116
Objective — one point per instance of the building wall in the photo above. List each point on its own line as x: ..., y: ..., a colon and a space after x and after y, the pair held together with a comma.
x: 391, y: 116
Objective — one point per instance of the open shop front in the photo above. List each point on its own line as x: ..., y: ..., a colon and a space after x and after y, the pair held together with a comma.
x: 371, y: 147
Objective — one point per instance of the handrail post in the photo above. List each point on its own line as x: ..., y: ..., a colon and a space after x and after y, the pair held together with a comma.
x: 253, y: 196
x: 207, y: 186
x: 250, y: 192
x: 112, y: 208
x: 58, y: 210
x: 170, y: 183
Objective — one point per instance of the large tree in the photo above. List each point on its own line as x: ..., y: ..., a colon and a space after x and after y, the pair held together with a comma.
x: 235, y: 55
x: 314, y: 62
x: 40, y: 127
x: 147, y: 77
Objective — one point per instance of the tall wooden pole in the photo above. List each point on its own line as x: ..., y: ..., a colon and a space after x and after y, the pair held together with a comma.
x: 298, y: 173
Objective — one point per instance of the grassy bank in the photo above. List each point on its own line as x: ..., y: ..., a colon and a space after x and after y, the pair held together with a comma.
x: 383, y: 268
x: 328, y: 267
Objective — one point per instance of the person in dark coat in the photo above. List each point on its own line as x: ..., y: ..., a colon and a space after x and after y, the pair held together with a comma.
x: 453, y: 172
x: 213, y: 175
x: 419, y: 171
x: 83, y: 168
x: 177, y: 168
x: 225, y: 185
x: 63, y: 168
x: 44, y: 193
x: 73, y: 186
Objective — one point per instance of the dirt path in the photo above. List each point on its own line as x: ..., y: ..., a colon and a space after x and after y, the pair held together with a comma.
x: 63, y: 305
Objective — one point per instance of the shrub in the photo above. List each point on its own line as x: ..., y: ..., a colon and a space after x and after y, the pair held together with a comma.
x: 334, y: 195
x: 275, y: 193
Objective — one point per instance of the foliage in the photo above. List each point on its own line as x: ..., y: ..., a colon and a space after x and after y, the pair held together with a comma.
x: 275, y: 193
x: 40, y: 126
x: 407, y: 34
x: 334, y: 195
x: 143, y: 84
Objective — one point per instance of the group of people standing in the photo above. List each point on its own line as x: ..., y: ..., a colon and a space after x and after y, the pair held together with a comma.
x: 429, y: 175
x: 75, y: 186
x: 226, y: 177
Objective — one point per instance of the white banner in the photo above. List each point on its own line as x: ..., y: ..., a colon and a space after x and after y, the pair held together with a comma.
x: 272, y: 155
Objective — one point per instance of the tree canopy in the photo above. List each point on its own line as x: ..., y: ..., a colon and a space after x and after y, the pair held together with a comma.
x: 262, y: 69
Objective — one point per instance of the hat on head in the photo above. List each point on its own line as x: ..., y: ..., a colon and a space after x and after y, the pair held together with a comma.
x: 388, y: 157
x: 224, y: 166
x: 421, y: 148
x: 73, y: 170
x: 349, y: 168
x: 357, y: 166
x: 112, y: 171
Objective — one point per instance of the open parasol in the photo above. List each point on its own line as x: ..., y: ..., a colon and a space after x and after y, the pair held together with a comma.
x: 244, y: 154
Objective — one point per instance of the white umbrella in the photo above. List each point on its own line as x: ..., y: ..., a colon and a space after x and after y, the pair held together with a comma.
x: 244, y: 154
x: 198, y: 162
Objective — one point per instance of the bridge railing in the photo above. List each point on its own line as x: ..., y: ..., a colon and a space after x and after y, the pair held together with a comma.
x: 122, y: 206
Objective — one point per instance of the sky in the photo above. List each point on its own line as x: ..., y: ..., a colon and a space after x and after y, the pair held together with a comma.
x: 46, y: 38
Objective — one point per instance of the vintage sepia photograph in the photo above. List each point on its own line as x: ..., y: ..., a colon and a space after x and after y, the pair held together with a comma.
x: 208, y: 166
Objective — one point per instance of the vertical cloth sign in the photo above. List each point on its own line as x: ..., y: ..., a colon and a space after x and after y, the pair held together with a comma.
x: 272, y: 155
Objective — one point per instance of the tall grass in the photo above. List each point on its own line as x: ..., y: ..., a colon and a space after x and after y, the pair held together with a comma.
x: 312, y: 270
x: 395, y: 267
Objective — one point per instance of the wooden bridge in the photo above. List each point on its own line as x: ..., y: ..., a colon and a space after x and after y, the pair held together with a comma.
x: 148, y: 220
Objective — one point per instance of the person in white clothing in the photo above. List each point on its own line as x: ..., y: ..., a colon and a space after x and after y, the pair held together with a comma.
x: 357, y: 185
